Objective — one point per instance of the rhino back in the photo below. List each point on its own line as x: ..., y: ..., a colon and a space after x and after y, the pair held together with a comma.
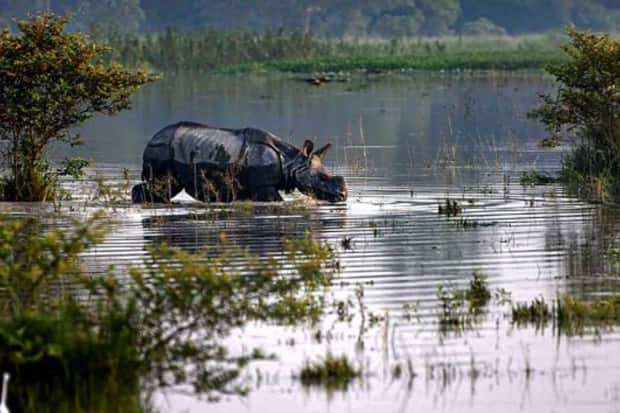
x: 204, y: 145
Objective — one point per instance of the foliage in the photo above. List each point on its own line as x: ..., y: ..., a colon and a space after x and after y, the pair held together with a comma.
x: 534, y: 178
x: 34, y: 266
x: 51, y: 83
x: 387, y: 18
x: 574, y: 315
x: 537, y: 312
x: 569, y: 315
x: 332, y: 372
x: 459, y: 310
x: 239, y: 51
x: 613, y: 255
x: 63, y: 331
x: 587, y: 106
x: 478, y: 294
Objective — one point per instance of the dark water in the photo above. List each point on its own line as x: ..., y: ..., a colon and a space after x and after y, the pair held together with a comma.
x: 404, y: 144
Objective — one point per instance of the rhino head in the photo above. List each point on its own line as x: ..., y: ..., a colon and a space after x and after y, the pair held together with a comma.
x: 311, y: 177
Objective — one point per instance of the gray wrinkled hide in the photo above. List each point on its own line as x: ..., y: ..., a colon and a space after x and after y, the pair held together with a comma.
x: 213, y: 164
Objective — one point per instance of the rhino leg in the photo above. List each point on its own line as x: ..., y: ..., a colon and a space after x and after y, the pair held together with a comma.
x: 266, y: 194
x: 144, y: 193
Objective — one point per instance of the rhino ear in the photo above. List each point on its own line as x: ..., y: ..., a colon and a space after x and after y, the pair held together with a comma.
x: 306, y: 150
x: 323, y: 151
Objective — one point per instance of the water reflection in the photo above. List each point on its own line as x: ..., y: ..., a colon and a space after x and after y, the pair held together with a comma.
x: 404, y: 144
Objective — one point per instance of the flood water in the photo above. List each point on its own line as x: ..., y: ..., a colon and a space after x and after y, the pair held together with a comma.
x: 405, y: 144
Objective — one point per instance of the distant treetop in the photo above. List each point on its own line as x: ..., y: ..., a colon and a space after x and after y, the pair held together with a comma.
x: 356, y: 18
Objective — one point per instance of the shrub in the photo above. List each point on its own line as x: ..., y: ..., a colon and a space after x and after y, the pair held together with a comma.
x: 70, y: 337
x: 587, y: 107
x: 51, y: 83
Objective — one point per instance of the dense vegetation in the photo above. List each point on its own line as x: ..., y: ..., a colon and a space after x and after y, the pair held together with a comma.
x: 586, y: 111
x: 388, y: 18
x: 51, y: 83
x: 75, y: 341
x: 294, y: 52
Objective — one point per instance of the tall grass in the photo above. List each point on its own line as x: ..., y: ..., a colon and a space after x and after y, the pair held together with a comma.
x: 238, y: 51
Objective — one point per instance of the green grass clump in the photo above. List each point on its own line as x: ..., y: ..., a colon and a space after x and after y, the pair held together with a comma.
x: 613, y: 255
x: 569, y: 315
x: 478, y: 294
x: 459, y: 310
x: 535, y: 178
x: 574, y: 315
x: 332, y: 372
x: 537, y: 312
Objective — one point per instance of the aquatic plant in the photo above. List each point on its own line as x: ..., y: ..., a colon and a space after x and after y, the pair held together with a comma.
x: 332, y: 372
x: 569, y: 315
x: 52, y: 81
x: 534, y: 178
x: 574, y: 315
x: 450, y: 208
x: 63, y: 331
x: 478, y: 294
x: 537, y: 312
x: 586, y: 109
x: 452, y: 311
x: 613, y: 255
x: 460, y: 309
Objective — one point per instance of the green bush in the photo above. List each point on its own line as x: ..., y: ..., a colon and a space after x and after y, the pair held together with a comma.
x: 586, y: 107
x: 70, y: 337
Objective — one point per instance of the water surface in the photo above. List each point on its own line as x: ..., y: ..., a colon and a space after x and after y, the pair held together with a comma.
x: 404, y: 144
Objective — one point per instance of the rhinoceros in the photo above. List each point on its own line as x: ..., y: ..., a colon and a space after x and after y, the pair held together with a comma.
x: 224, y: 165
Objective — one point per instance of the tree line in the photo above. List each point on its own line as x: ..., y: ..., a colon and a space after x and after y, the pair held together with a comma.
x: 357, y: 18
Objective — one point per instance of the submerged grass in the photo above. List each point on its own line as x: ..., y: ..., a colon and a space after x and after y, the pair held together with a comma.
x: 534, y: 178
x: 478, y: 294
x: 334, y: 373
x: 459, y: 310
x: 537, y: 312
x: 568, y: 314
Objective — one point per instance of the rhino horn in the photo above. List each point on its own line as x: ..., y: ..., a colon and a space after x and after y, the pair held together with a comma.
x: 323, y: 151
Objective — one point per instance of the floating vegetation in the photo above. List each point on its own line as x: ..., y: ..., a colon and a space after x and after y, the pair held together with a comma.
x: 334, y: 373
x: 535, y: 178
x: 450, y: 208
